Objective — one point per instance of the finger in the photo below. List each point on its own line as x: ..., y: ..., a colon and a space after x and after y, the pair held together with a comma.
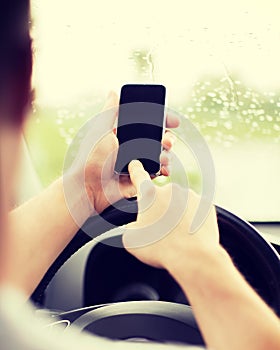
x: 144, y: 186
x: 112, y: 100
x: 165, y: 158
x: 168, y: 140
x: 137, y: 173
x: 140, y: 179
x: 165, y: 170
x: 172, y: 120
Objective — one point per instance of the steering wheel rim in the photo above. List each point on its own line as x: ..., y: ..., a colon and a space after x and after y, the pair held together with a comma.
x: 242, y: 241
x: 155, y: 321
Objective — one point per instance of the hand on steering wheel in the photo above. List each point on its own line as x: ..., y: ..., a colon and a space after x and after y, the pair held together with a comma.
x: 162, y: 229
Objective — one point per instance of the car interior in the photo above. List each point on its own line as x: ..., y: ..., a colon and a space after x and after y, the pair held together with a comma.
x: 218, y: 63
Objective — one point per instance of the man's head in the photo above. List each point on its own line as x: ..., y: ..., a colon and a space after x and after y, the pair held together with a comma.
x: 15, y: 99
x: 15, y: 61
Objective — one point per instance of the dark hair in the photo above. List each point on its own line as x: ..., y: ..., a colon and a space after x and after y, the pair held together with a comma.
x: 15, y: 61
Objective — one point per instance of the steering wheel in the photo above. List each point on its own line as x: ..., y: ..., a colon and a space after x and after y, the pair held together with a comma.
x: 151, y: 314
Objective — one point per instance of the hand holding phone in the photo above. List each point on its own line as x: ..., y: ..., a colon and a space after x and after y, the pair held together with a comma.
x: 140, y: 127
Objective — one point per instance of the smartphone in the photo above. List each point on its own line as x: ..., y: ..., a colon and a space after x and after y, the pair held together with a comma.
x: 141, y: 123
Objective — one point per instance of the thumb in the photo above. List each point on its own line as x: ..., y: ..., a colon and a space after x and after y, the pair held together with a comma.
x: 112, y: 100
x: 101, y: 124
x: 107, y: 118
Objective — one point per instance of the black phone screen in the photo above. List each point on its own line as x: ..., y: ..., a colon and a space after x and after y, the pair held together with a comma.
x: 140, y: 127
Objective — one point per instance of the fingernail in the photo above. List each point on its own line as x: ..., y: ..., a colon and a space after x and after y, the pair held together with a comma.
x: 172, y: 137
x: 135, y: 162
x: 167, y: 169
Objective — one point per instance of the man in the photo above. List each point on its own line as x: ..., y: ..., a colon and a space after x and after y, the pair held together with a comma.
x: 230, y: 314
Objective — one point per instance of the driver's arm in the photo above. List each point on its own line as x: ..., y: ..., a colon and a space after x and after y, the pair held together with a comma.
x: 40, y: 230
x: 229, y: 312
x: 42, y: 227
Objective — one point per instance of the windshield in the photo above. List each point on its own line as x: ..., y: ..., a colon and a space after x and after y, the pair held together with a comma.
x: 219, y: 63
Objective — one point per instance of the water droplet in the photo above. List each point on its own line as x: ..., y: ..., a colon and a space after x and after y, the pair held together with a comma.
x: 228, y: 125
x: 226, y: 104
